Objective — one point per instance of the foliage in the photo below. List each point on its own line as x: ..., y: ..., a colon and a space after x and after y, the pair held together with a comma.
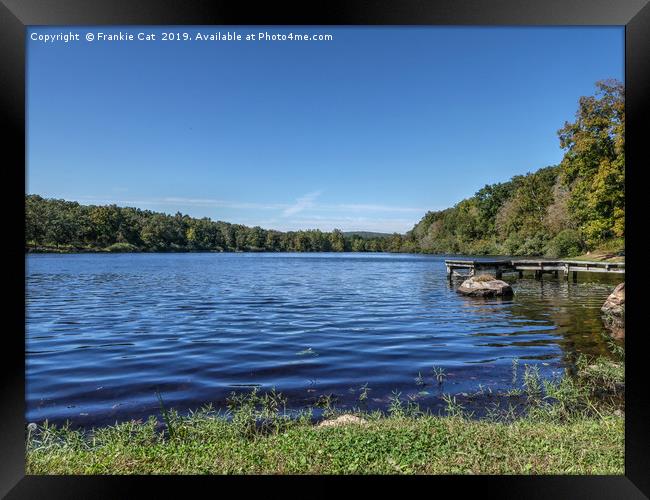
x: 594, y: 163
x: 505, y: 218
x: 59, y: 225
x: 567, y: 243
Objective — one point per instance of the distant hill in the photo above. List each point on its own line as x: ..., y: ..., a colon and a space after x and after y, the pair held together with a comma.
x: 366, y: 234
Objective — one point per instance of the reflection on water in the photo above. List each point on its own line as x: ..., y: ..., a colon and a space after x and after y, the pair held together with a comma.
x: 105, y: 332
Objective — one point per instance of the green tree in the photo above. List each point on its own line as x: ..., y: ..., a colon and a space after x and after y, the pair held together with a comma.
x: 337, y: 241
x: 35, y: 216
x: 273, y: 241
x: 594, y: 163
x: 106, y: 222
x: 256, y: 238
x: 358, y: 244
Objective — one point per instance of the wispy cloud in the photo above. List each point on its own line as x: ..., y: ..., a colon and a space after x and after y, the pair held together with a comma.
x: 387, y: 225
x: 350, y: 207
x: 206, y: 202
x: 302, y: 203
x: 304, y: 213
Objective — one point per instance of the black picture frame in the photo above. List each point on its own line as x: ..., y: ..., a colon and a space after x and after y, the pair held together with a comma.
x: 16, y: 15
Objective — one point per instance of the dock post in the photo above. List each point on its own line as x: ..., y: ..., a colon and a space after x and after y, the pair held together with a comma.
x: 555, y: 274
x: 566, y: 272
x: 538, y: 275
x: 498, y: 273
x: 521, y: 274
x: 575, y: 276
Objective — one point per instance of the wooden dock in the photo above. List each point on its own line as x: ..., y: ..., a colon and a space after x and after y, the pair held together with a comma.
x: 538, y: 266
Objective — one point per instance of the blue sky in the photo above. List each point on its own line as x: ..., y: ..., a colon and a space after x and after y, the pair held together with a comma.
x: 367, y: 131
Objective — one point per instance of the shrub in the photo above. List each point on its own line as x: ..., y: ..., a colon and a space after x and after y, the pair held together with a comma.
x: 482, y: 247
x: 567, y: 243
x: 534, y: 245
x: 512, y: 245
x: 122, y: 247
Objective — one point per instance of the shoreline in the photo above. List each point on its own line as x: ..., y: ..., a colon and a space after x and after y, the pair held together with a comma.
x: 55, y: 251
x: 574, y: 426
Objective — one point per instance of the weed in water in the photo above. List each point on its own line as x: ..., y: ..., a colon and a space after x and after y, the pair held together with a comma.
x: 532, y: 383
x: 166, y: 416
x: 515, y: 366
x: 255, y: 414
x: 364, y: 392
x: 439, y: 374
x: 395, y: 406
x: 453, y: 408
x: 326, y: 403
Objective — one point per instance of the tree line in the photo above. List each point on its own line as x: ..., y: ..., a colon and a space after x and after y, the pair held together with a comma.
x: 557, y: 211
x: 60, y: 225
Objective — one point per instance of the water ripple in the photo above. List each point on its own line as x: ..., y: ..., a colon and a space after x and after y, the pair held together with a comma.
x: 105, y: 332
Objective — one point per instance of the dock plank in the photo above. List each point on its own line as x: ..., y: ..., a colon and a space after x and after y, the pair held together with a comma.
x: 539, y: 266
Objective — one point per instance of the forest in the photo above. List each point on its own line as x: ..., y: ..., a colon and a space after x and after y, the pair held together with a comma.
x: 59, y: 225
x: 557, y: 211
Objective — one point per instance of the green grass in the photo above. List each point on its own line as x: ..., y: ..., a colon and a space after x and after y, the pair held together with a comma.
x: 427, y: 445
x: 572, y: 425
x: 606, y: 252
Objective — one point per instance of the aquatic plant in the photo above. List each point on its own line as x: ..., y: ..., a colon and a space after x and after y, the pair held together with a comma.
x: 453, y: 408
x: 515, y: 366
x: 532, y: 382
x: 165, y: 414
x: 439, y: 374
x: 253, y: 414
x: 363, y: 395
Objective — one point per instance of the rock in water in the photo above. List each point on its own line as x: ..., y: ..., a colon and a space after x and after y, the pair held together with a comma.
x: 485, y: 286
x: 615, y: 303
x: 614, y: 311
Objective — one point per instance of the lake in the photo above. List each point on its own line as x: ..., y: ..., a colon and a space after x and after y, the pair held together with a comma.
x: 104, y: 332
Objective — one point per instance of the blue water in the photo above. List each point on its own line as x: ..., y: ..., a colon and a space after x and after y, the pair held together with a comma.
x: 104, y: 332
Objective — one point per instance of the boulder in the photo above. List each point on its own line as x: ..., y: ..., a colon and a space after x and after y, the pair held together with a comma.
x: 485, y: 286
x: 615, y: 303
x: 614, y: 311
x: 342, y: 420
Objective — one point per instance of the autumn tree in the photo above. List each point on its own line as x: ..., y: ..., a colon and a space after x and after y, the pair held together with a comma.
x: 594, y: 163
